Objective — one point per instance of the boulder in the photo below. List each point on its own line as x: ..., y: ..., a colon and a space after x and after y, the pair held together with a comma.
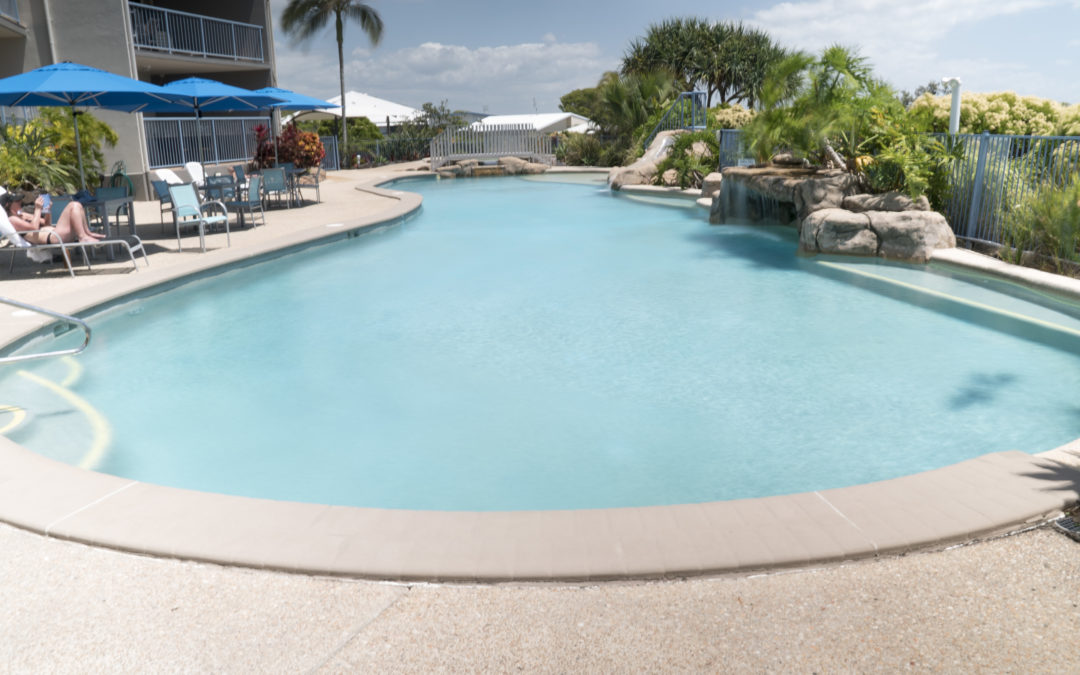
x: 826, y: 192
x: 837, y: 231
x: 886, y: 201
x: 711, y: 184
x: 638, y: 173
x: 788, y: 159
x: 451, y: 171
x: 910, y: 235
x: 670, y: 178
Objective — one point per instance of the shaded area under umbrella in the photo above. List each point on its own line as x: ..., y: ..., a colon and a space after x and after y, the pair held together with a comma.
x: 200, y: 95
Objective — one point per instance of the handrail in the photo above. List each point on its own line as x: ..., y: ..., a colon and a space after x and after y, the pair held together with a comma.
x: 45, y: 355
x: 697, y: 109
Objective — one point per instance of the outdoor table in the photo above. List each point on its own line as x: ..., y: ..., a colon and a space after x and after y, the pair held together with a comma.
x: 105, y: 206
x: 113, y: 204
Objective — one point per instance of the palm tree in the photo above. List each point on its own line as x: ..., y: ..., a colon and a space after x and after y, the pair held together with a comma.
x: 302, y: 19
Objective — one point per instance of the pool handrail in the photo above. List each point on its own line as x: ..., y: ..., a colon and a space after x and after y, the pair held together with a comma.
x: 57, y: 315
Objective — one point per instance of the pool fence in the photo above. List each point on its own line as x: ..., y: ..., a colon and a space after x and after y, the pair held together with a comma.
x: 491, y: 142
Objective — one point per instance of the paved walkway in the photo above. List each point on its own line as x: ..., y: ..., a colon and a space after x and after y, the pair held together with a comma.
x: 1005, y: 604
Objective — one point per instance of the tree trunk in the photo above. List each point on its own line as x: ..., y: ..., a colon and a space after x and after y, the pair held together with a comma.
x: 341, y: 77
x: 834, y: 156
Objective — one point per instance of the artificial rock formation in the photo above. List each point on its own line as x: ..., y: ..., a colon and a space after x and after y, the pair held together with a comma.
x: 507, y: 166
x: 643, y: 171
x: 830, y: 214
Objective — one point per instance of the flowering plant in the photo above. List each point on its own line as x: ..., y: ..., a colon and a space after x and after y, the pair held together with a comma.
x: 302, y: 148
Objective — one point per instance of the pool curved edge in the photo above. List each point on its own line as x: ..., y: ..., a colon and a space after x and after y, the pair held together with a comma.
x: 989, y: 494
x: 993, y: 493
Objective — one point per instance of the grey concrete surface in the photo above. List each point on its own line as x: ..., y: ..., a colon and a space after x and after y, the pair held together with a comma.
x: 1005, y: 605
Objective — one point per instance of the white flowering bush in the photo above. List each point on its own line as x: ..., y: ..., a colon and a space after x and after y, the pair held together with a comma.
x: 1070, y: 121
x: 998, y: 113
x: 729, y: 116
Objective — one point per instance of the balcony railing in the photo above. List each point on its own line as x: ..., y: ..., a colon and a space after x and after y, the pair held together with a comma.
x: 174, y: 32
x: 172, y: 141
x: 10, y: 9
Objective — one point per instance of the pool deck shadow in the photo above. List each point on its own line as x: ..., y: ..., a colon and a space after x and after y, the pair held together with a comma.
x: 994, y: 493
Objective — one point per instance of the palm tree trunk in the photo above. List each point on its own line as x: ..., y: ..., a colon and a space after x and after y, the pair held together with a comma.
x: 341, y: 79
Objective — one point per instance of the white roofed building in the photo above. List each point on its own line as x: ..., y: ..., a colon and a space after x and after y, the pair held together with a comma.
x: 382, y: 113
x: 545, y: 122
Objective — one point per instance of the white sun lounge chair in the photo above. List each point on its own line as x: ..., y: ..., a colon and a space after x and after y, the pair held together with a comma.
x: 195, y: 170
x: 169, y: 176
x: 43, y: 252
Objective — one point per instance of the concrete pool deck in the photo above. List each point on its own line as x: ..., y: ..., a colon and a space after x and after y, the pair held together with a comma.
x: 991, y: 494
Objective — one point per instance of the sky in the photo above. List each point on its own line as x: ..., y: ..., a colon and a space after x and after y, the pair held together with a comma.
x: 515, y: 56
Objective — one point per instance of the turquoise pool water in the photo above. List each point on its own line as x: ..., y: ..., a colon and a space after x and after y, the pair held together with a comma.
x: 533, y: 345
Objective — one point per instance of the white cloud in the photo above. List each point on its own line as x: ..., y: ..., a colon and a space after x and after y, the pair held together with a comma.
x: 904, y: 41
x: 506, y: 78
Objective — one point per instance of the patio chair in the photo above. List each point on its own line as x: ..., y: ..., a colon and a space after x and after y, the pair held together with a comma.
x: 310, y: 179
x: 161, y: 189
x: 169, y: 176
x: 275, y: 183
x: 43, y: 253
x: 248, y: 200
x: 189, y: 212
x: 241, y: 176
x: 195, y: 170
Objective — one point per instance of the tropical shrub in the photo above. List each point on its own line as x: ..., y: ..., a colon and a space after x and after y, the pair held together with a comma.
x: 1046, y: 223
x: 903, y: 158
x: 816, y: 106
x: 31, y: 159
x: 360, y: 128
x: 579, y: 149
x: 998, y: 113
x: 302, y: 148
x: 693, y: 156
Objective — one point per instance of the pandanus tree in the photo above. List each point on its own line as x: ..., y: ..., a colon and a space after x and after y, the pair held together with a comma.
x: 303, y: 19
x: 726, y: 59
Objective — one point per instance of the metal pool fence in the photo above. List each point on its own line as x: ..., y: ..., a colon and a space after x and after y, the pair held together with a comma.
x: 491, y: 141
x: 172, y: 141
x: 994, y: 175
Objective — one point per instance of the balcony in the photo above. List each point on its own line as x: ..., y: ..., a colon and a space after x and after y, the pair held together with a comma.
x: 168, y: 31
x: 9, y: 20
x: 10, y: 9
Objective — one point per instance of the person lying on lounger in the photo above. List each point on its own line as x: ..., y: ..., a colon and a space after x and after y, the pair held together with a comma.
x: 70, y: 225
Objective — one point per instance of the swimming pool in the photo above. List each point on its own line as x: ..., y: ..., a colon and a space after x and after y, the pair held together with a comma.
x: 601, y: 353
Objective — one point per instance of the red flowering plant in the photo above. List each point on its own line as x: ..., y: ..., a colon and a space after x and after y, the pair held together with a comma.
x: 302, y: 148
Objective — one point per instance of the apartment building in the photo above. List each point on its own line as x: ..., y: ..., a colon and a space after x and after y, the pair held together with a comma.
x: 155, y: 41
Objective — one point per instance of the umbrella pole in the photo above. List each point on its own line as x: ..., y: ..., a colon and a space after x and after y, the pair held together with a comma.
x: 78, y: 146
x: 198, y: 134
x: 275, y: 122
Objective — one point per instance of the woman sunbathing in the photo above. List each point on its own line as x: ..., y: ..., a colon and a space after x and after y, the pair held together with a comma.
x: 70, y: 225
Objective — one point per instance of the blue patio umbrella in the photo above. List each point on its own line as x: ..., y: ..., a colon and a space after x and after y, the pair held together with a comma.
x: 292, y: 101
x: 202, y: 95
x: 73, y: 85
